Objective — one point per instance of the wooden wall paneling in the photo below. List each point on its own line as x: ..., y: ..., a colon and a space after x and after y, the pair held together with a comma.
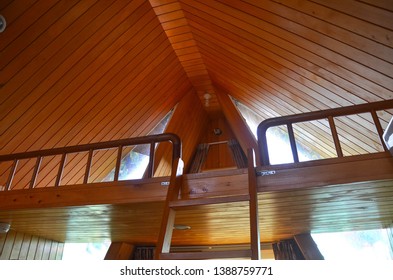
x: 16, y: 246
x: 27, y: 239
x: 184, y: 124
x: 40, y: 249
x: 3, y: 237
x: 237, y: 123
x: 59, y: 251
x: 120, y: 251
x: 33, y: 247
x: 7, y: 247
x: 219, y: 155
x: 46, y: 250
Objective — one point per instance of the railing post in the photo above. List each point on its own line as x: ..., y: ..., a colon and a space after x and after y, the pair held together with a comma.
x: 335, y: 137
x: 12, y: 174
x: 118, y: 162
x: 35, y: 172
x: 61, y: 168
x: 379, y: 129
x: 292, y: 142
x: 88, y: 166
x: 150, y: 167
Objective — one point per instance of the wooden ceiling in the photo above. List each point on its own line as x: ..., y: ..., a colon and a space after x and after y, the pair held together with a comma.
x: 76, y: 72
x: 87, y: 71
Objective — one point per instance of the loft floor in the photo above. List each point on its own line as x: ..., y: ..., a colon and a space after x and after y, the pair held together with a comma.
x: 351, y: 194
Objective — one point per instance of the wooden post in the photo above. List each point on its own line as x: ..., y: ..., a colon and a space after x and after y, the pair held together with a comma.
x: 120, y: 251
x: 308, y: 247
x: 253, y: 204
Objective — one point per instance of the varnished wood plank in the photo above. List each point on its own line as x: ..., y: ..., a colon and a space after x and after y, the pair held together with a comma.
x: 32, y: 248
x: 120, y: 251
x: 8, y: 245
x: 241, y: 130
x: 25, y: 247
x: 16, y: 247
x: 207, y: 201
x: 308, y: 247
x: 77, y: 195
x: 206, y: 255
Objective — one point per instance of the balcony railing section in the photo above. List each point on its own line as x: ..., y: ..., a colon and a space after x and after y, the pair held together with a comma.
x: 89, y: 149
x: 330, y: 115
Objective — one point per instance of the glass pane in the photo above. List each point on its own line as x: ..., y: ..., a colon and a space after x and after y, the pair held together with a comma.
x: 134, y: 162
x: 354, y: 245
x: 278, y: 145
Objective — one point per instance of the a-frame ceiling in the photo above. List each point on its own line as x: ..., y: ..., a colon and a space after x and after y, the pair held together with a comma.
x: 86, y: 71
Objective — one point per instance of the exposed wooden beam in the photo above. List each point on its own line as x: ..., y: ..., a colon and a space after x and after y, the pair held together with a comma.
x: 120, y: 251
x: 237, y: 123
x: 308, y: 247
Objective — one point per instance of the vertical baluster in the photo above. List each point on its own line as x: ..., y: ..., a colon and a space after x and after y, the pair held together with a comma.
x: 61, y: 168
x: 12, y: 174
x: 35, y: 172
x: 150, y: 167
x: 336, y: 140
x: 292, y: 142
x: 118, y: 162
x: 379, y: 128
x: 88, y: 166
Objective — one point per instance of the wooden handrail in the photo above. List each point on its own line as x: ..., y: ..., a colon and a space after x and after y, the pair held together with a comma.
x: 90, y: 148
x: 317, y: 115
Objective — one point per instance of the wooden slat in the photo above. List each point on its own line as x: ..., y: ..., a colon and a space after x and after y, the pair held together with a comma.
x: 308, y: 247
x: 120, y: 251
x: 207, y: 201
x: 239, y: 127
x: 206, y: 255
x: 253, y: 205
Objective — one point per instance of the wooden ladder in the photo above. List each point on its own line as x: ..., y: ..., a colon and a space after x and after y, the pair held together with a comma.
x: 173, y: 204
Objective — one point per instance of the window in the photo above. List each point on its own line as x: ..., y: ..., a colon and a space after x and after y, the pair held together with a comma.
x: 355, y: 245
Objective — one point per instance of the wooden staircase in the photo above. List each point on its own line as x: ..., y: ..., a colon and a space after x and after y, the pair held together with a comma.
x: 174, y: 204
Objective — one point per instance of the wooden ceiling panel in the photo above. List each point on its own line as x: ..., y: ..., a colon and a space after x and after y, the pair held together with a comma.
x: 86, y: 75
x: 76, y: 72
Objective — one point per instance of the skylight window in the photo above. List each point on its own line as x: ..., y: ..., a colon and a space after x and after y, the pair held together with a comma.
x: 136, y: 158
x: 277, y: 139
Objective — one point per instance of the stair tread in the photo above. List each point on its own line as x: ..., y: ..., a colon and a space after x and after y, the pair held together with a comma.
x: 206, y: 201
x: 245, y: 253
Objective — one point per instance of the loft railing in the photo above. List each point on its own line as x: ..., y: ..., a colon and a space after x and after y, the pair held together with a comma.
x: 151, y: 140
x: 329, y: 114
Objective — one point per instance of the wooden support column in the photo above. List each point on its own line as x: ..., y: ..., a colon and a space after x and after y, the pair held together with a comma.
x: 120, y: 251
x: 237, y: 123
x: 308, y: 247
